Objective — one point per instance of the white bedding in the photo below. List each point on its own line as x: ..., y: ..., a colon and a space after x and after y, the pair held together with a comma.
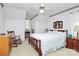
x: 50, y: 41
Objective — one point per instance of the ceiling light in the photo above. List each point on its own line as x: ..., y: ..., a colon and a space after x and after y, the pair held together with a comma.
x: 42, y: 8
x: 42, y: 11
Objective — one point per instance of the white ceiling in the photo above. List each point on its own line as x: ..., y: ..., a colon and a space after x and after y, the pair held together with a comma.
x: 33, y: 8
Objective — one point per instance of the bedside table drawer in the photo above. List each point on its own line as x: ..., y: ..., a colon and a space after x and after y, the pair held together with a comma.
x: 75, y: 47
x: 69, y: 46
x: 72, y: 43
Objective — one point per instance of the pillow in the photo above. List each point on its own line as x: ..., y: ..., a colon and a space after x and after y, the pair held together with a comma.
x: 55, y: 31
x: 49, y: 31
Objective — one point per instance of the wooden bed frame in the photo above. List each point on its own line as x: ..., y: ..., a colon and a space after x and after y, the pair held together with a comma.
x: 37, y: 43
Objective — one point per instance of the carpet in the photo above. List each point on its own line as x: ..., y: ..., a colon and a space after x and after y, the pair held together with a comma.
x: 27, y: 50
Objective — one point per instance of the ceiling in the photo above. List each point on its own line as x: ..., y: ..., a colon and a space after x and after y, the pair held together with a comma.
x: 33, y: 8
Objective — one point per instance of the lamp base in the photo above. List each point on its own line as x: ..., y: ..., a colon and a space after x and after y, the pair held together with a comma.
x: 78, y: 35
x: 75, y: 34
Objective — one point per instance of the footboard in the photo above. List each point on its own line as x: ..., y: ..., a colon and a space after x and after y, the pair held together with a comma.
x: 36, y: 44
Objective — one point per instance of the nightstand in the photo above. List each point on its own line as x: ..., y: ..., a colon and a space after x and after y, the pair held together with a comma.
x: 72, y: 43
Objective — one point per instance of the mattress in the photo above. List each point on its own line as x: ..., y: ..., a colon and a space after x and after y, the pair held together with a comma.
x: 50, y: 41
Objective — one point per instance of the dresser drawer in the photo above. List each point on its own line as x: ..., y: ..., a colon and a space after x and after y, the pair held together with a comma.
x: 69, y: 46
x: 72, y: 43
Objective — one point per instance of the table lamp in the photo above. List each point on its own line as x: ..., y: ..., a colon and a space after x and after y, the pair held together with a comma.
x: 77, y: 30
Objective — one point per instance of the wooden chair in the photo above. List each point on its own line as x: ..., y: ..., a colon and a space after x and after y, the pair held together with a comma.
x: 2, y: 34
x: 16, y: 40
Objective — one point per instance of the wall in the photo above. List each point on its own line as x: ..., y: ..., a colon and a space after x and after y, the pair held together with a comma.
x: 28, y: 24
x: 2, y: 23
x: 15, y: 20
x: 16, y: 25
x: 40, y: 23
x: 62, y: 17
x: 69, y: 18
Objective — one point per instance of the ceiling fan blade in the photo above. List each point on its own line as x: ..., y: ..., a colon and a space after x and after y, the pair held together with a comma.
x: 35, y: 16
x: 49, y: 9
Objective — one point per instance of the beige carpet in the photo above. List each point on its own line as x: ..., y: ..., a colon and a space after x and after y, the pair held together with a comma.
x: 27, y: 50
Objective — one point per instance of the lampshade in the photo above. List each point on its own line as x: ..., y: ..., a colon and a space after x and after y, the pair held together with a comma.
x: 76, y: 28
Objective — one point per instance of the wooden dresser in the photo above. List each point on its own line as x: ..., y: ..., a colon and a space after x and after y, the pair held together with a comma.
x: 5, y: 45
x: 73, y: 43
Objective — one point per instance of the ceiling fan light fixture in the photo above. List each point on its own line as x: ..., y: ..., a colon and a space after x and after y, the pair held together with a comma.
x: 42, y: 11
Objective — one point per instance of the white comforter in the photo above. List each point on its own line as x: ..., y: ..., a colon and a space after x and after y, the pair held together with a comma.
x: 50, y: 41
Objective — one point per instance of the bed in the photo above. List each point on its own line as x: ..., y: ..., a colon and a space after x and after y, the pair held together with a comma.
x: 44, y: 43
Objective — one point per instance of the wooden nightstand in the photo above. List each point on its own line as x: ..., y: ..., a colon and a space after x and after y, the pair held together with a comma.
x: 72, y: 43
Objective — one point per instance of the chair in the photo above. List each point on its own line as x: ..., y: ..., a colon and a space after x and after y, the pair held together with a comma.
x: 16, y: 40
x: 2, y: 34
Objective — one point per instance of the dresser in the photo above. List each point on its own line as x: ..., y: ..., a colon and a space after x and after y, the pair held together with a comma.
x: 72, y: 43
x: 5, y: 45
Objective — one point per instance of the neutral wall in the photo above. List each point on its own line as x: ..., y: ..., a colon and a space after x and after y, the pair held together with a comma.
x: 2, y: 23
x: 15, y: 20
x: 28, y: 24
x: 69, y: 18
x: 40, y: 23
x: 16, y: 25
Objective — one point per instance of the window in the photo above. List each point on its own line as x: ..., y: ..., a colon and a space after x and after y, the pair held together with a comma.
x: 58, y: 25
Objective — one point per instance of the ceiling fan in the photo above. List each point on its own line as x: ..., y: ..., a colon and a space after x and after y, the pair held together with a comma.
x: 44, y: 8
x: 41, y: 9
